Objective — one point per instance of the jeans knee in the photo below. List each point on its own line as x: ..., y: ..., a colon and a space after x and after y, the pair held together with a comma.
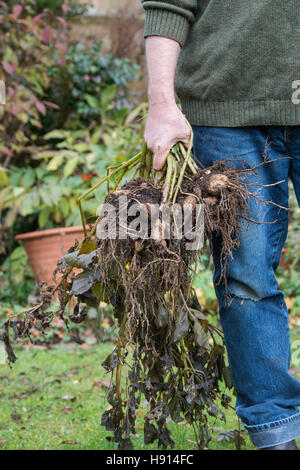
x: 251, y: 290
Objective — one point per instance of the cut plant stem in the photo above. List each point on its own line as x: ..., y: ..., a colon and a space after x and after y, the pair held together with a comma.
x: 170, y: 169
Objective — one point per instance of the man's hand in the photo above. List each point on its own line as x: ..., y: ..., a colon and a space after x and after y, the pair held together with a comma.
x: 165, y: 127
x: 166, y: 124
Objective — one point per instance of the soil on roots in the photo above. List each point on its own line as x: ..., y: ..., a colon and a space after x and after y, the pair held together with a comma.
x: 225, y: 199
x: 143, y: 275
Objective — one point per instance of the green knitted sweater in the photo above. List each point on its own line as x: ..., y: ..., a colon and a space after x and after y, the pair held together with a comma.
x: 239, y: 59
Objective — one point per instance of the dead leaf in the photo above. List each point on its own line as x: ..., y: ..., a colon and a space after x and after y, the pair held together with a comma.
x: 70, y: 398
x: 289, y: 302
x: 70, y: 442
x: 66, y: 410
x: 101, y: 383
x: 16, y: 416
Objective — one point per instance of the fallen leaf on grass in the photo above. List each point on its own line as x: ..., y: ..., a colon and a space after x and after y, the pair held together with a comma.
x: 69, y: 442
x: 101, y: 383
x: 77, y: 381
x: 66, y: 410
x: 16, y: 416
x: 70, y: 398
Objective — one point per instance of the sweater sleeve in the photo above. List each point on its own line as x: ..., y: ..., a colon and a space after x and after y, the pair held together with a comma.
x: 171, y: 19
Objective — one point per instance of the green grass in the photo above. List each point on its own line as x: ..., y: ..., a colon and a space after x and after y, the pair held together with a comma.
x: 53, y: 399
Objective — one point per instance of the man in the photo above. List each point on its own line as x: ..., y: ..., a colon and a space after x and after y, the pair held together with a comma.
x: 236, y: 65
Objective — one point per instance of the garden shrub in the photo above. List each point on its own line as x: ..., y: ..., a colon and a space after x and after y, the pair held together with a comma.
x: 67, y: 117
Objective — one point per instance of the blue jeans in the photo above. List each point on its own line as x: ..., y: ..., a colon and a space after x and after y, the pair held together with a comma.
x: 255, y: 320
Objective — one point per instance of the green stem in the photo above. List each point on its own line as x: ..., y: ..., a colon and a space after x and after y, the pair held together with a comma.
x: 119, y: 179
x: 173, y: 180
x: 190, y: 162
x: 138, y: 167
x: 84, y: 195
x: 166, y: 186
x: 143, y: 158
x: 148, y: 164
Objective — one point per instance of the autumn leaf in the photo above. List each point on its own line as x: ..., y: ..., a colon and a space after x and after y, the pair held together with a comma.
x: 66, y: 410
x: 70, y: 442
x: 61, y: 47
x: 62, y: 60
x: 17, y: 10
x: 69, y: 397
x: 40, y: 107
x: 9, y: 68
x: 62, y: 21
x: 47, y: 34
x: 16, y: 416
x: 64, y: 8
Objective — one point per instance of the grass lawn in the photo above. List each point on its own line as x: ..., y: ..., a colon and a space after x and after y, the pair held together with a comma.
x: 53, y: 399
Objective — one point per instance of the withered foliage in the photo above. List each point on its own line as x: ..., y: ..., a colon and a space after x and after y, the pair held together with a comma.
x: 168, y: 360
x: 21, y: 327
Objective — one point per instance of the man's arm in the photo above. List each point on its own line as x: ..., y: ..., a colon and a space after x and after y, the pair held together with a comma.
x: 165, y: 124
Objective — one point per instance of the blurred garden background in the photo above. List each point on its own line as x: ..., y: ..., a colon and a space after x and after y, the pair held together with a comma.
x: 75, y: 104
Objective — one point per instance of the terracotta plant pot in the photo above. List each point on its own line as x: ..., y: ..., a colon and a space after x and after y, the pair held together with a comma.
x: 45, y: 247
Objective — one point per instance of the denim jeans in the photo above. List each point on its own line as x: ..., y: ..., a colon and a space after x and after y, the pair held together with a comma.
x: 255, y: 320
